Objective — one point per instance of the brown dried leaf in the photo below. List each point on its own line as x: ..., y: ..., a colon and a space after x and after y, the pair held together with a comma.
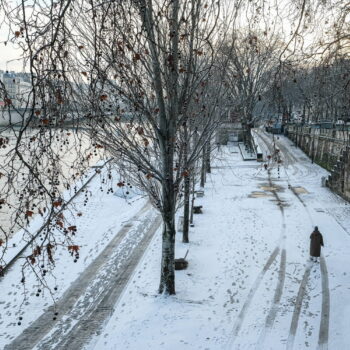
x: 73, y: 248
x: 136, y: 57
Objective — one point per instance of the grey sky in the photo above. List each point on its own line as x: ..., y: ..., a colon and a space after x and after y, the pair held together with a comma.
x: 8, y: 53
x: 271, y: 17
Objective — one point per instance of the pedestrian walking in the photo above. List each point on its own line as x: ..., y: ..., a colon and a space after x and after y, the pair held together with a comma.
x: 316, y: 241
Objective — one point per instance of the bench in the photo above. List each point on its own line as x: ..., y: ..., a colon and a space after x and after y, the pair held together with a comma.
x: 197, y: 209
x: 181, y: 263
x: 199, y: 194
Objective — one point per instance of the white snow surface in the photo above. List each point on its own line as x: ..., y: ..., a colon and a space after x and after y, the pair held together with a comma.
x: 101, y: 217
x: 247, y: 260
x: 223, y: 298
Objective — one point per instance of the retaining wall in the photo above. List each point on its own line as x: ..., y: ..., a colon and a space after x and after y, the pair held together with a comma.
x: 329, y: 148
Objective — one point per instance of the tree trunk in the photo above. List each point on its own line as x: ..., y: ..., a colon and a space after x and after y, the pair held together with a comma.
x: 167, y: 275
x: 192, y: 201
x: 187, y: 180
x: 203, y: 168
x: 207, y: 157
x: 167, y: 128
x: 185, y: 229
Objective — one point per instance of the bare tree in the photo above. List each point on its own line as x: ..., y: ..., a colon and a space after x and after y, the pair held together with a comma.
x: 252, y: 57
x: 131, y: 75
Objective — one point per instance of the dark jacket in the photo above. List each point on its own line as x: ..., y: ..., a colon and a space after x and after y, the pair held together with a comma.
x: 316, y: 243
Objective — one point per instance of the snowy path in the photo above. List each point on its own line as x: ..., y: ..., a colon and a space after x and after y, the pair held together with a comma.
x: 297, y: 308
x: 291, y: 160
x: 242, y: 314
x: 249, y: 283
x: 90, y: 299
x: 280, y: 249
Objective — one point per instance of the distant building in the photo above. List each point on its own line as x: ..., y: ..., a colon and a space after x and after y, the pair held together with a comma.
x: 15, y: 87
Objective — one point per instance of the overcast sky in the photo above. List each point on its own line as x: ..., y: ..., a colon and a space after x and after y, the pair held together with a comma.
x: 269, y: 18
x: 8, y: 54
x: 8, y: 58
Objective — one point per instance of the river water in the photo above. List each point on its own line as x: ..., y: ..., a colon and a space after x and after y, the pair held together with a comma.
x: 70, y: 151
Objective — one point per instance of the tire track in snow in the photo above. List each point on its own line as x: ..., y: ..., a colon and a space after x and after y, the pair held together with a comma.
x: 95, y: 317
x: 324, y: 324
x: 289, y: 158
x: 297, y: 307
x: 278, y: 292
x: 280, y: 282
x: 44, y: 324
x: 303, y: 204
x: 271, y: 316
x: 238, y: 324
x: 269, y: 148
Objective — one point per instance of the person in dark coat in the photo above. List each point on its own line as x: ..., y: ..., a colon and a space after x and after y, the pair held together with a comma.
x: 315, y: 244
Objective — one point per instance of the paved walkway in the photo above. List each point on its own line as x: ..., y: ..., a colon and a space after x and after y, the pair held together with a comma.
x: 90, y: 300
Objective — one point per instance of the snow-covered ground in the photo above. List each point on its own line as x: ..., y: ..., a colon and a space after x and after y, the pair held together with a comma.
x: 98, y: 220
x: 249, y: 283
x: 247, y: 259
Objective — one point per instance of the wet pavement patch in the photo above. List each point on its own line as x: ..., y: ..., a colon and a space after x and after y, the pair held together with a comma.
x: 259, y: 194
x: 268, y: 187
x: 299, y: 189
x: 267, y: 191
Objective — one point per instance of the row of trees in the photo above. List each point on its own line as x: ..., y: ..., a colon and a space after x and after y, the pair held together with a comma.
x: 146, y: 83
x: 312, y: 83
x: 312, y: 93
x: 139, y: 81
